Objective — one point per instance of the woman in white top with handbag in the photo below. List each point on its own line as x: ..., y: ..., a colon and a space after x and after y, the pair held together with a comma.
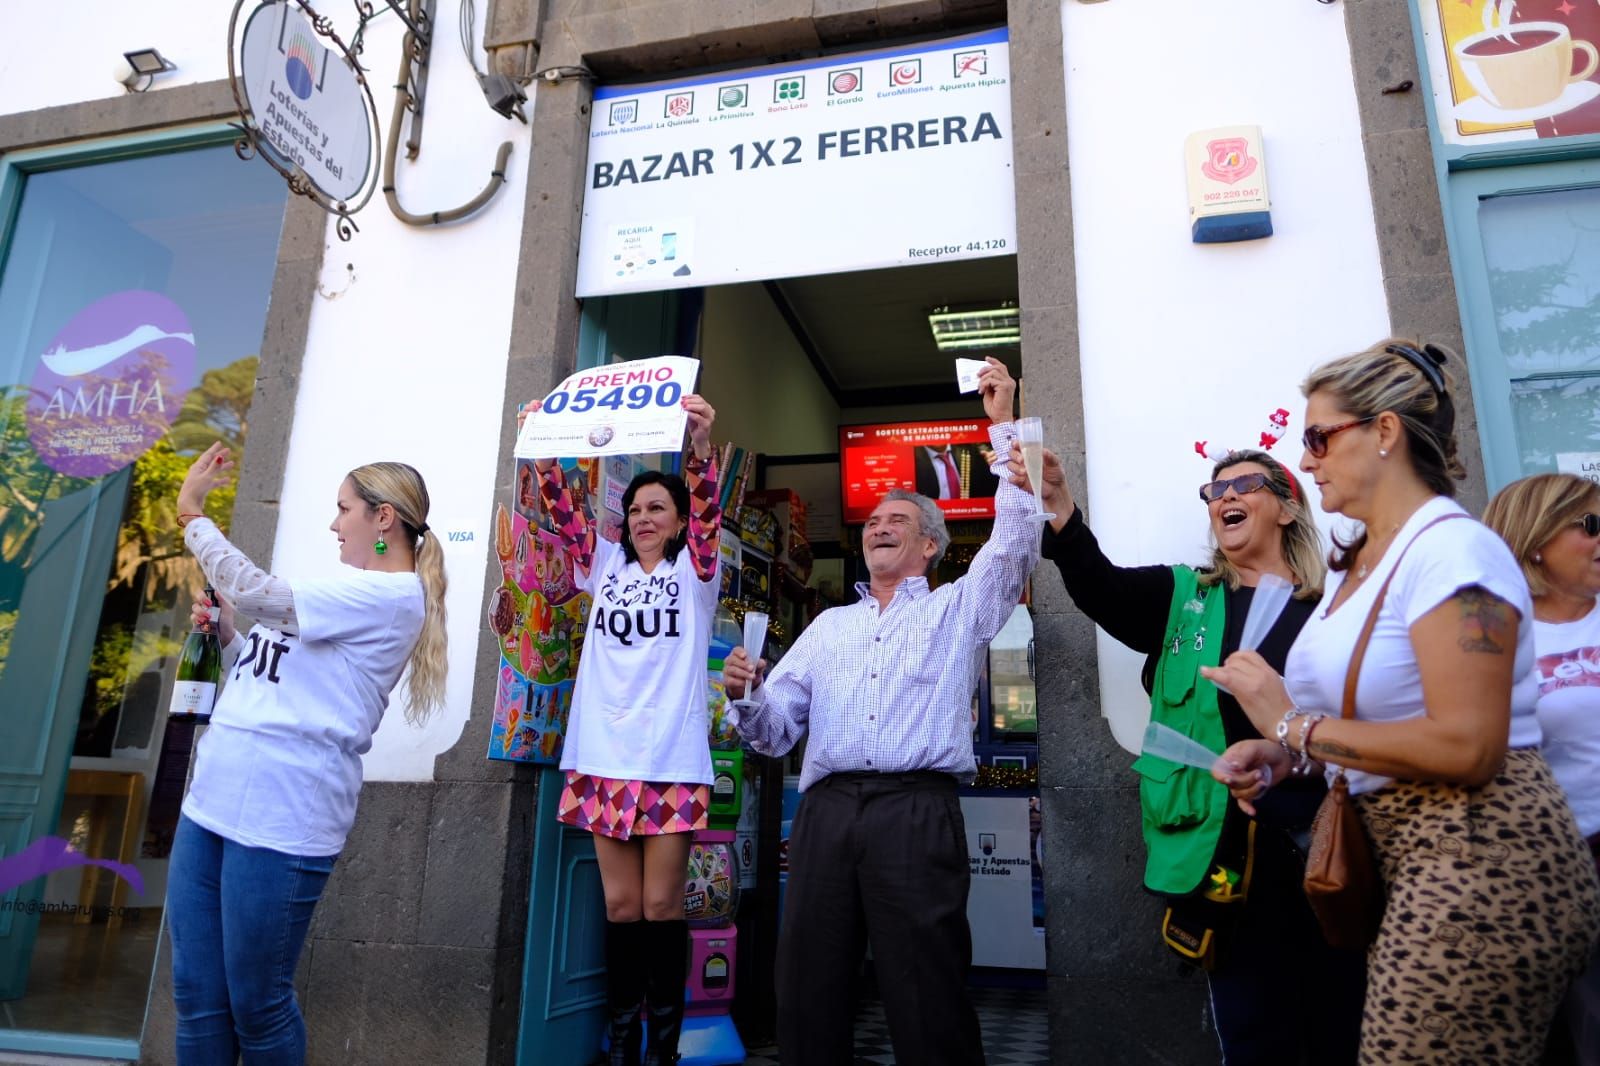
x: 278, y: 771
x: 1552, y: 523
x: 1492, y: 903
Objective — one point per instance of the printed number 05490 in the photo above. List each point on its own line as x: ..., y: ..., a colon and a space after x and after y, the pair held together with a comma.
x: 634, y: 397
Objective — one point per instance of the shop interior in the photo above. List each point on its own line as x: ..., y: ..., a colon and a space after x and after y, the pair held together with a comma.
x: 789, y: 365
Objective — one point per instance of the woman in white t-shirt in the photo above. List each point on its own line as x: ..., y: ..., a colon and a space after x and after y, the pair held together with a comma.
x: 1552, y: 523
x: 277, y: 773
x: 637, y: 754
x: 1492, y: 902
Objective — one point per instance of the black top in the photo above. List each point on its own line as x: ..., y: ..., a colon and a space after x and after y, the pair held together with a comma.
x: 1131, y: 603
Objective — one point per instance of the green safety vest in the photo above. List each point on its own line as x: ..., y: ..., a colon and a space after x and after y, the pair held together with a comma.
x: 1183, y: 807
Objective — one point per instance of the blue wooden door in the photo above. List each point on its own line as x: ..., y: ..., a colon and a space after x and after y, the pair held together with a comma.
x: 41, y: 688
x: 58, y: 534
x: 563, y: 978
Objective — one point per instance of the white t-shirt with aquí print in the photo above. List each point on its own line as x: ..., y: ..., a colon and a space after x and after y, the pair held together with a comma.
x: 1568, y: 674
x: 1451, y: 556
x: 280, y: 765
x: 639, y: 706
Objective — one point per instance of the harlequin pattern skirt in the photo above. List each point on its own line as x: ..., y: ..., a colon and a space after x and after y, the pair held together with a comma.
x: 620, y: 808
x: 1493, y: 907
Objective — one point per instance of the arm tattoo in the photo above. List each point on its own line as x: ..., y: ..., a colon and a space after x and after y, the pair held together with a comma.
x: 1488, y: 623
x: 1332, y: 749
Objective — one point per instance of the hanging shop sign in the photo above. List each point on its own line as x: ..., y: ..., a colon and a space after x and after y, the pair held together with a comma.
x: 1513, y: 70
x: 851, y: 162
x: 627, y: 408
x: 110, y: 383
x: 304, y: 104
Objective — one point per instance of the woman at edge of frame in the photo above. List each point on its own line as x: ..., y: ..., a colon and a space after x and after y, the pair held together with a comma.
x: 637, y: 756
x: 1552, y: 524
x: 1491, y: 898
x: 1259, y: 525
x: 277, y: 774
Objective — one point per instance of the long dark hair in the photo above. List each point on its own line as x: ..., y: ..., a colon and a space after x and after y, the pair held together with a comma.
x: 680, y: 499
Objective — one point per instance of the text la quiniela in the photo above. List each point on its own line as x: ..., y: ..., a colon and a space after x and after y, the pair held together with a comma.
x: 787, y: 151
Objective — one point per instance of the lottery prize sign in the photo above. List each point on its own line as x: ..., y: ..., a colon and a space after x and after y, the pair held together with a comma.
x: 627, y: 408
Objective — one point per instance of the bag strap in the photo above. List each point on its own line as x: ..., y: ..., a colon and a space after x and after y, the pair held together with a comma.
x: 1348, y: 710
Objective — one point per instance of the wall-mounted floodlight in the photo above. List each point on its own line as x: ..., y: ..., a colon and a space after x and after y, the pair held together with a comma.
x: 142, y: 65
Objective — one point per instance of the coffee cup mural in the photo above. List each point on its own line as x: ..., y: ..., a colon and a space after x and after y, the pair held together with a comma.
x: 1526, y: 65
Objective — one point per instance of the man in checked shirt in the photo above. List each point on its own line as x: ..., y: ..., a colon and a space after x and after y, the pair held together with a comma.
x: 878, y: 851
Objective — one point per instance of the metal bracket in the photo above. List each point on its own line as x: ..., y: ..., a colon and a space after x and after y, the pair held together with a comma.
x: 411, y: 89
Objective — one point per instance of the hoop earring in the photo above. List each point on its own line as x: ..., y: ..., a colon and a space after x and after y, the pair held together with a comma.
x: 381, y: 545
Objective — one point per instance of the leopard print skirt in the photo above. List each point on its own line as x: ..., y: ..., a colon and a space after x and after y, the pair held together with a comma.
x: 1493, y: 906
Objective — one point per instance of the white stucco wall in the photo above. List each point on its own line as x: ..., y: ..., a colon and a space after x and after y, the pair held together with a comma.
x: 406, y: 360
x: 409, y: 336
x: 75, y: 47
x: 1181, y: 341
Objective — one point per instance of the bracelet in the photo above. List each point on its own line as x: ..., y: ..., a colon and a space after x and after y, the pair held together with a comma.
x: 1283, y: 728
x: 184, y: 518
x: 1306, y: 727
x: 1305, y: 735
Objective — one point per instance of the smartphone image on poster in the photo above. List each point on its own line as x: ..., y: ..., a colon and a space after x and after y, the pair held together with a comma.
x: 669, y: 246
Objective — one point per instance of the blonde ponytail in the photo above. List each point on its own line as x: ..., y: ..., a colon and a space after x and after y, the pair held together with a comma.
x: 401, y: 487
x: 428, y: 658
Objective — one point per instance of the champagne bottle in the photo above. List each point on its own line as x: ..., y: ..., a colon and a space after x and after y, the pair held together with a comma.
x: 199, y: 669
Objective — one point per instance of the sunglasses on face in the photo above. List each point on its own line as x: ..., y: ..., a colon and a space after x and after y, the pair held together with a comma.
x: 1241, y: 485
x: 1315, y: 438
x: 1590, y: 524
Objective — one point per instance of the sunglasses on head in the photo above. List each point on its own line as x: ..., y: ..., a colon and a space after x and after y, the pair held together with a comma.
x: 1590, y: 523
x: 1241, y: 485
x: 1315, y: 438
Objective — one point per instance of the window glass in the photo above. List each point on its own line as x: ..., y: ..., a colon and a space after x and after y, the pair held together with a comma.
x: 1543, y: 256
x: 1012, y: 704
x: 132, y: 303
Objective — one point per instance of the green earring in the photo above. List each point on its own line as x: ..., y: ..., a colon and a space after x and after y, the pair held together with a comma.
x: 381, y: 546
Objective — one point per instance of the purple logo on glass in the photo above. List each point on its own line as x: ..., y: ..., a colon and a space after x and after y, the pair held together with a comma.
x: 110, y: 383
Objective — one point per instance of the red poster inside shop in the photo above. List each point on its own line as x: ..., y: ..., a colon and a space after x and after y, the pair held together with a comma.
x: 947, y: 461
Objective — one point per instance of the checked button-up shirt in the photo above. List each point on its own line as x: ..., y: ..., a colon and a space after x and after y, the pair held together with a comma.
x: 890, y: 690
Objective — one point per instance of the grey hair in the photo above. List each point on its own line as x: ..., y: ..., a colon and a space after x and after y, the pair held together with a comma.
x: 931, y: 521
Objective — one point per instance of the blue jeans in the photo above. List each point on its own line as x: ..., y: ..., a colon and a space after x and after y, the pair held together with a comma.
x: 238, y: 917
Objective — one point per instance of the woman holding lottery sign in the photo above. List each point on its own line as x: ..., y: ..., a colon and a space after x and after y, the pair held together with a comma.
x: 637, y: 759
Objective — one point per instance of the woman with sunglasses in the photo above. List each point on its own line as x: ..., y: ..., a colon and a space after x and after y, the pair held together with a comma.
x: 1492, y: 901
x: 1233, y: 881
x: 1552, y: 523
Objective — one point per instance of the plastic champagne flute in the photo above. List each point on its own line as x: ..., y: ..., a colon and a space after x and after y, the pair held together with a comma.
x: 1030, y: 438
x: 755, y: 641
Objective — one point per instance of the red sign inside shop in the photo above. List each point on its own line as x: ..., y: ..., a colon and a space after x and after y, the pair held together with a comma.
x: 946, y: 461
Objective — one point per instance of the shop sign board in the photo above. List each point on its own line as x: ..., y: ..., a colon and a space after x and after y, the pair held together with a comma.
x: 626, y: 408
x: 1582, y: 464
x: 850, y: 162
x: 307, y: 102
x: 1004, y: 854
x: 110, y: 383
x: 1513, y: 70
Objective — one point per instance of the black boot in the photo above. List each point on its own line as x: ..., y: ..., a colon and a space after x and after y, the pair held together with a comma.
x: 625, y: 982
x: 666, y: 972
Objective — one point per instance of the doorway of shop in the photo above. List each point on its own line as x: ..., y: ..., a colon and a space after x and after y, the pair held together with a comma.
x: 794, y: 367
